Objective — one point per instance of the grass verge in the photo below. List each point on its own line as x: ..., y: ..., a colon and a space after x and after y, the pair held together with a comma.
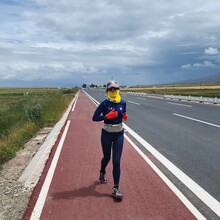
x: 22, y: 116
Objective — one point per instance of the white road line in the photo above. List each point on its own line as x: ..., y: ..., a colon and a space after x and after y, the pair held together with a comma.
x: 141, y: 98
x: 134, y: 102
x: 193, y: 119
x: 76, y: 98
x: 173, y: 103
x: 43, y: 194
x: 91, y: 98
x: 180, y: 195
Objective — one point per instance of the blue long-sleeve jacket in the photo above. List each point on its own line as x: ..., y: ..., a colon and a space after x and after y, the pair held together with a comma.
x: 105, y: 107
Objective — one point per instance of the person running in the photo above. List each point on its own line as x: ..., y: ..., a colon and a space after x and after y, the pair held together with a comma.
x: 112, y: 110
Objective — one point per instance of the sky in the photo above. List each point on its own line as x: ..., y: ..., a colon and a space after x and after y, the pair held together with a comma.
x: 66, y: 43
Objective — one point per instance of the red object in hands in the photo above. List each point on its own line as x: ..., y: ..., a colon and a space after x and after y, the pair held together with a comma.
x: 112, y: 114
x: 125, y: 116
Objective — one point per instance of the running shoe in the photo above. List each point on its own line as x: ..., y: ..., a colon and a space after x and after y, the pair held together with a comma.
x: 102, y: 178
x: 117, y: 193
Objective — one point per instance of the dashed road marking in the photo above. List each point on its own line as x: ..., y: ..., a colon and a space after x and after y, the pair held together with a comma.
x: 194, y: 119
x: 134, y: 102
x: 173, y: 103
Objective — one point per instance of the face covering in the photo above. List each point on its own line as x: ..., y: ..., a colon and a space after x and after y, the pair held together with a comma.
x: 114, y: 96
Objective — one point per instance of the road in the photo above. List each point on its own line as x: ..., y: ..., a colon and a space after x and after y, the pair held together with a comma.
x: 69, y: 189
x: 186, y: 133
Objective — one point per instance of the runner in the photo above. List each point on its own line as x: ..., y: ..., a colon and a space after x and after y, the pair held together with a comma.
x: 112, y: 110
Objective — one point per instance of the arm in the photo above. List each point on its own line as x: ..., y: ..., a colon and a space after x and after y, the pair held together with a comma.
x: 101, y: 114
x: 98, y: 114
x: 125, y: 115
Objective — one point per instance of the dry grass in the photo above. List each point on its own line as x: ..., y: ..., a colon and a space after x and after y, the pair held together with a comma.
x: 211, y: 91
x: 170, y: 87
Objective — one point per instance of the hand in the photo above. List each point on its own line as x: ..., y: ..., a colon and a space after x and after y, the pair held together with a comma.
x: 112, y: 114
x: 125, y: 116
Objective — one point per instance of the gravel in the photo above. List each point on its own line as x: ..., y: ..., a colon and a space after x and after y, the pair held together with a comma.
x: 14, y: 195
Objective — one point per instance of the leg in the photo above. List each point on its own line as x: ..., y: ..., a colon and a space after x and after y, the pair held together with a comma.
x: 117, y: 151
x: 106, y: 149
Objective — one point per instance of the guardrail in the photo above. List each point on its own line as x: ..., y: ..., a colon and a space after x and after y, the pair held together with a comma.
x: 144, y: 94
x: 137, y: 93
x: 192, y: 98
x: 179, y: 97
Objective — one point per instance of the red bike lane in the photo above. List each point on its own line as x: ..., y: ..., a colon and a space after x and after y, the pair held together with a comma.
x: 75, y: 193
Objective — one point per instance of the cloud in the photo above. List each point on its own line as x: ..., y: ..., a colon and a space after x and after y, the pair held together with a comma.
x: 80, y: 41
x: 205, y: 64
x: 31, y: 71
x: 186, y: 66
x: 211, y: 51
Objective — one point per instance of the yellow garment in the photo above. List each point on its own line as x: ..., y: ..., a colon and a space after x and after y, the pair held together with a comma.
x: 114, y: 96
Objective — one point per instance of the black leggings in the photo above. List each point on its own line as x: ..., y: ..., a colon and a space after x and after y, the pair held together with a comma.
x: 115, y: 141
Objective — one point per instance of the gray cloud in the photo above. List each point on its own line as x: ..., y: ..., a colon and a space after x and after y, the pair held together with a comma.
x: 137, y: 42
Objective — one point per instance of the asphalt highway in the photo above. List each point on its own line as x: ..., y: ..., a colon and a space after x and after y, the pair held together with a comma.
x: 186, y: 133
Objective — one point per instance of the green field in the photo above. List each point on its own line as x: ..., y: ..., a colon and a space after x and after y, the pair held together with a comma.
x: 23, y: 112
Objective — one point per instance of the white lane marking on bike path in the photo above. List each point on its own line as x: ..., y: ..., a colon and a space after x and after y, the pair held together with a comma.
x: 43, y: 193
x: 76, y: 98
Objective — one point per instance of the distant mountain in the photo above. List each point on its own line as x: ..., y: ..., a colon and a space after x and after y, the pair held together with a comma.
x: 212, y: 79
